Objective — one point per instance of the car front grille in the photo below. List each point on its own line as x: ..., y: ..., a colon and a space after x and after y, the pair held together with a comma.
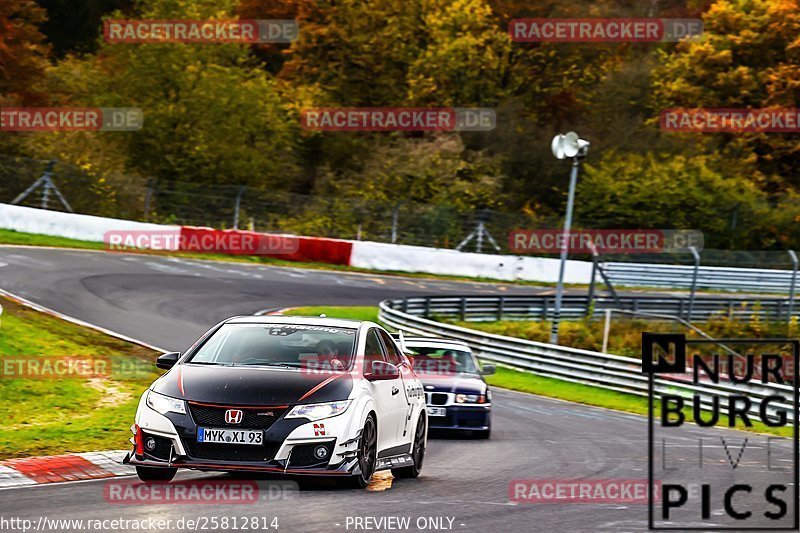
x: 253, y: 418
x: 231, y: 452
x: 438, y: 398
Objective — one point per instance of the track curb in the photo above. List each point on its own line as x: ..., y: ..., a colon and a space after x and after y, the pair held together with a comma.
x: 29, y: 471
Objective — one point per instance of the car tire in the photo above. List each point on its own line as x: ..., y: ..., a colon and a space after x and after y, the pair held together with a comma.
x: 367, y: 456
x: 417, y: 453
x: 148, y: 474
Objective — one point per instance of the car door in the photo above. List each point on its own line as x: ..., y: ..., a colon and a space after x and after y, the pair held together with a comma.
x: 404, y: 405
x: 386, y: 393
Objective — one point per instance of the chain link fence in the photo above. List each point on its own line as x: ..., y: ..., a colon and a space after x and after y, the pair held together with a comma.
x: 227, y: 206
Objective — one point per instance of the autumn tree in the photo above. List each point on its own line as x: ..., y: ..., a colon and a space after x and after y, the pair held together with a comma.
x: 748, y: 57
x: 23, y: 52
x: 211, y: 115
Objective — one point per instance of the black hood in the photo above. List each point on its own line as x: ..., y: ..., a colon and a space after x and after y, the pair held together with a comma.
x: 458, y: 384
x: 252, y: 385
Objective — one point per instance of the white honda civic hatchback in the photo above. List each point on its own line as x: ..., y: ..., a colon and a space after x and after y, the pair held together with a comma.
x: 291, y: 395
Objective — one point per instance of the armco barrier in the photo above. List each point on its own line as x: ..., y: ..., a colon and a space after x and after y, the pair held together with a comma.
x: 608, y: 371
x: 489, y: 308
x: 288, y: 247
x: 708, y: 278
x: 70, y: 225
x: 403, y: 258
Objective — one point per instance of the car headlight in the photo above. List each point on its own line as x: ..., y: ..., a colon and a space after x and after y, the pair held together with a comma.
x: 317, y: 411
x: 165, y: 404
x: 470, y: 398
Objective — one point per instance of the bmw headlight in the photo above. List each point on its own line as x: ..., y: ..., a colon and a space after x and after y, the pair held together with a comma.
x: 470, y: 398
x: 165, y: 404
x: 317, y: 411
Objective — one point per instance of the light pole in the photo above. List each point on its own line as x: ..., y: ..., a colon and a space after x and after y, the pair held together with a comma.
x: 564, y: 146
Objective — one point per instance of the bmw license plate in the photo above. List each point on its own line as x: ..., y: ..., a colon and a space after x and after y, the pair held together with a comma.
x: 437, y: 411
x: 230, y: 436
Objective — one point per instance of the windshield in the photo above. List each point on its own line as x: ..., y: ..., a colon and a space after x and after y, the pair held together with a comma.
x: 429, y: 361
x: 279, y: 345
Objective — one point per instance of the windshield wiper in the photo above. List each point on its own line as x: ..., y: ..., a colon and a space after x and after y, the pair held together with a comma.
x: 267, y: 363
x: 205, y: 363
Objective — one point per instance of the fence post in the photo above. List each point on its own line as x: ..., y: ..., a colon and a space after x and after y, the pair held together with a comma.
x: 148, y: 195
x: 427, y: 307
x: 395, y: 216
x: 236, y: 207
x: 500, y: 305
x: 606, y: 329
x: 463, y: 310
x: 544, y: 309
x: 793, y: 284
x: 590, y: 297
x: 694, y: 281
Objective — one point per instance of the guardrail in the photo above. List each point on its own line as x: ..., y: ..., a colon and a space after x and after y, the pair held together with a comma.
x: 608, y: 371
x: 488, y: 308
x: 708, y: 277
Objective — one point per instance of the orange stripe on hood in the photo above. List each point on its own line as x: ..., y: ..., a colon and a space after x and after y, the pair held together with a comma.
x: 318, y: 387
x: 180, y: 381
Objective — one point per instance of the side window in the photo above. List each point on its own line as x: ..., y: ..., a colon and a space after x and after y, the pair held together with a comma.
x: 391, y: 350
x: 373, y: 351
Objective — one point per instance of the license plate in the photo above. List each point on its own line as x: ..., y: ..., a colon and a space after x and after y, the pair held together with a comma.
x: 437, y: 411
x: 230, y: 436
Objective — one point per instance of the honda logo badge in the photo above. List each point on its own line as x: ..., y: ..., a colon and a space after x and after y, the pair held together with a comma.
x: 233, y: 416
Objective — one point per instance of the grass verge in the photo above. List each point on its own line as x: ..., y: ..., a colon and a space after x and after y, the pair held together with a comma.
x: 509, y: 378
x: 65, y: 412
x: 352, y: 312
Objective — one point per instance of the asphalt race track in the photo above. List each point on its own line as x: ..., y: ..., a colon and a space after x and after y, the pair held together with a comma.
x: 168, y: 302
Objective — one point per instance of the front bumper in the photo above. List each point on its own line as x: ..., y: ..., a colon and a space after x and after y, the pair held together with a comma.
x: 288, y: 446
x: 462, y: 417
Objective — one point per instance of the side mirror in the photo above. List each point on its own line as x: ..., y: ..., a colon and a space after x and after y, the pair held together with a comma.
x: 488, y: 370
x: 381, y: 371
x: 168, y: 360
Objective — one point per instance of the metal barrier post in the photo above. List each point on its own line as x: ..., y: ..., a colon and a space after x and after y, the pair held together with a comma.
x: 606, y: 329
x: 793, y: 284
x: 694, y: 281
x: 590, y: 296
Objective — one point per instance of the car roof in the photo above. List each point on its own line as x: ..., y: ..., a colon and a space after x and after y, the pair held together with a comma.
x: 302, y: 320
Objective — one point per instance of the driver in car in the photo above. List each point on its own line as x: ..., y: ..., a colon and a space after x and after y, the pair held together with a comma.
x: 328, y: 356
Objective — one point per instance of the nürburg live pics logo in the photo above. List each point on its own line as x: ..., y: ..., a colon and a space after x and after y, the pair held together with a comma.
x: 722, y: 433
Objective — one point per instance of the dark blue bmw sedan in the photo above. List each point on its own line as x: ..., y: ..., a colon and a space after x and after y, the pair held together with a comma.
x: 456, y: 394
